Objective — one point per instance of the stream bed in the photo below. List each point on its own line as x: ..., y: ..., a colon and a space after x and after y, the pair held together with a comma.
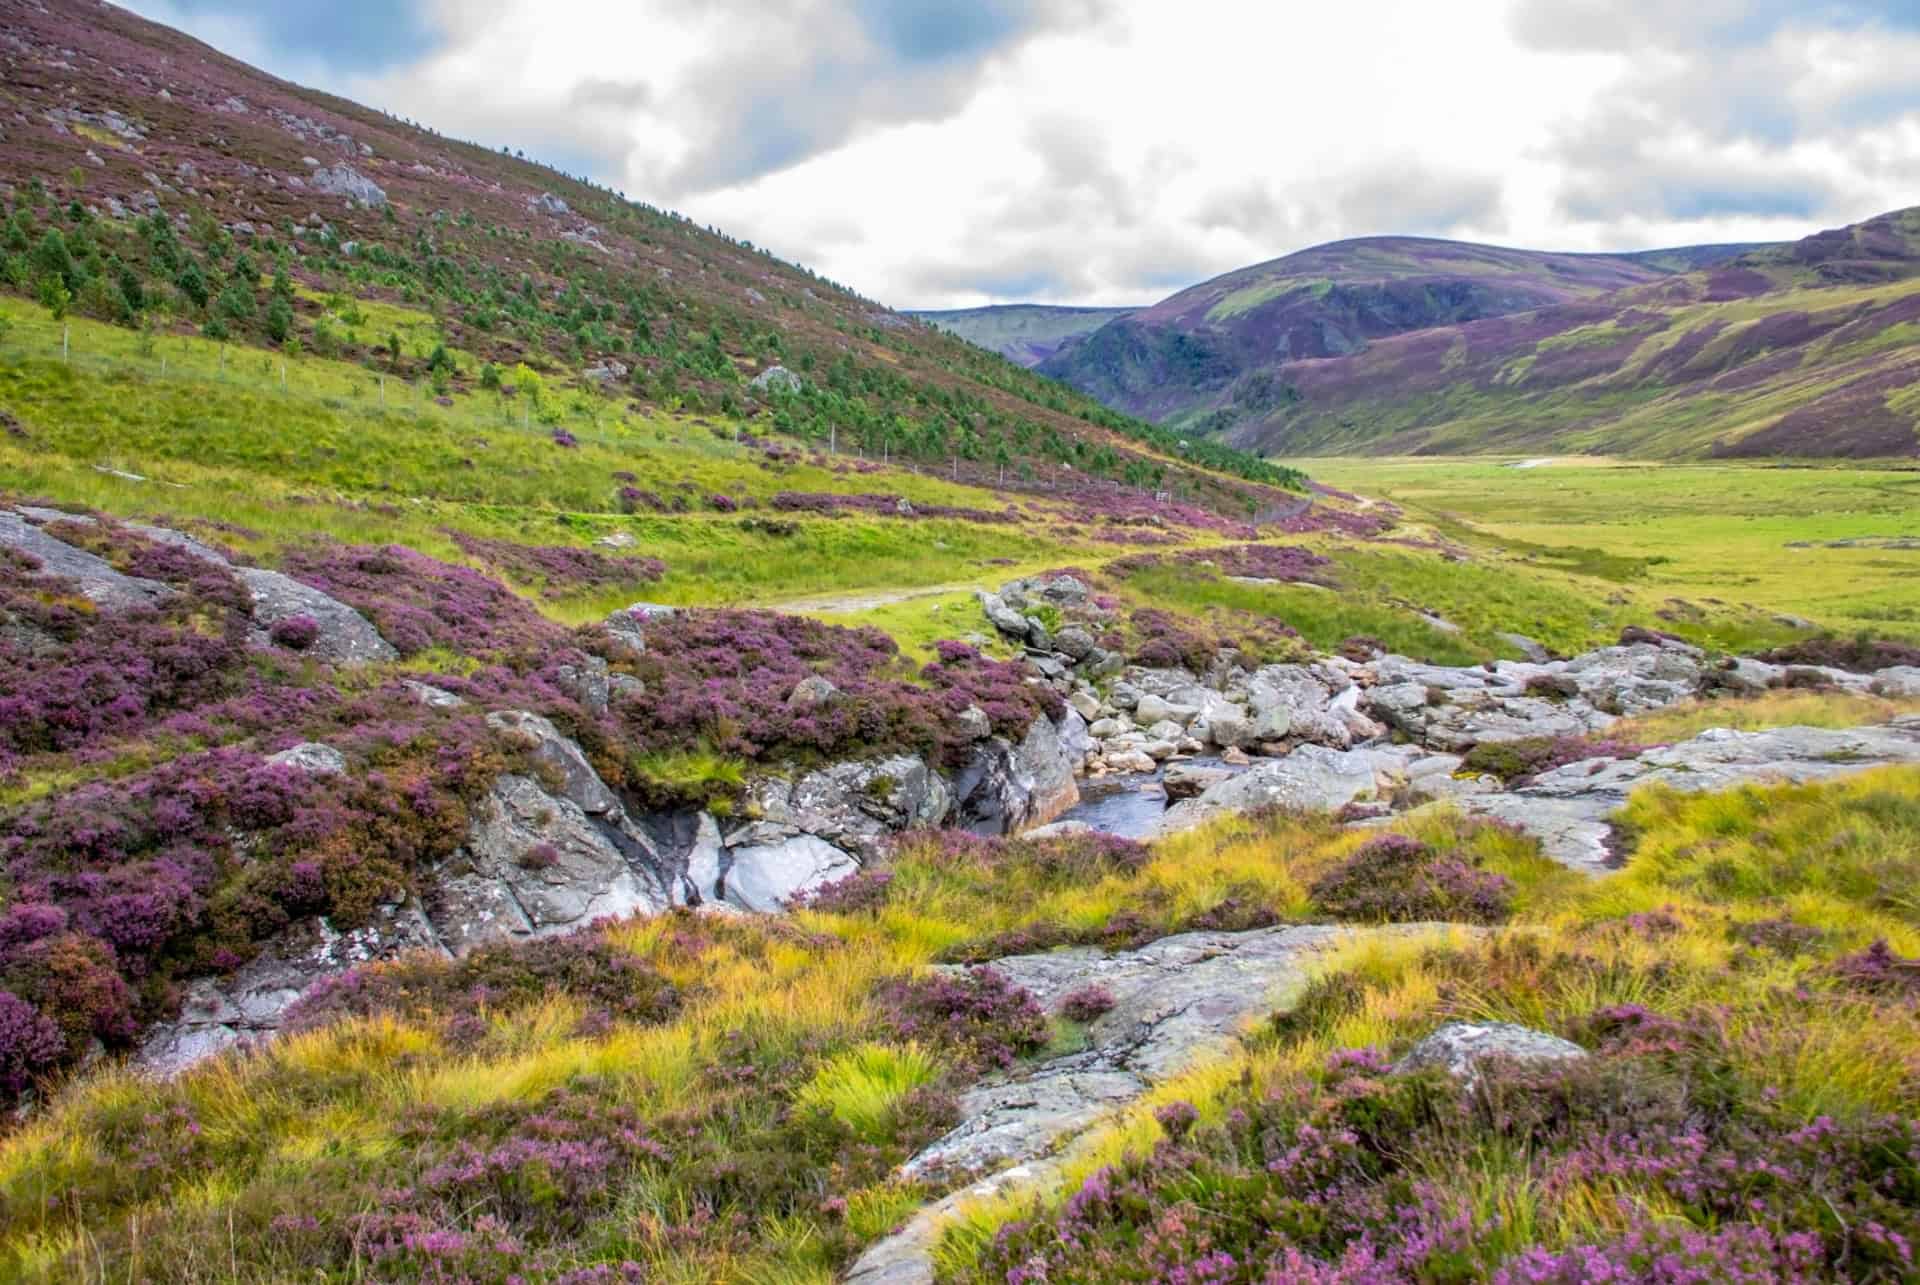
x: 1129, y: 803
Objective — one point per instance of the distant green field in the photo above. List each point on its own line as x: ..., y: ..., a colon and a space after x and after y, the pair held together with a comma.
x: 1739, y: 534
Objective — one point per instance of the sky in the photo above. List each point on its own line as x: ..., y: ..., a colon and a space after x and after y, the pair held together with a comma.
x: 950, y: 153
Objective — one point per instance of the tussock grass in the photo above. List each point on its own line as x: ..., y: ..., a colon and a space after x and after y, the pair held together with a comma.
x: 1758, y: 713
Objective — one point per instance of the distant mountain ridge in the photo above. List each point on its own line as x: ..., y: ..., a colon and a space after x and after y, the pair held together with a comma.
x: 1025, y: 333
x: 1408, y: 345
x: 1182, y: 359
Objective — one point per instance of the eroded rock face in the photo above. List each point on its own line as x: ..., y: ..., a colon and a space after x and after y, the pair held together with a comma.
x: 1008, y: 788
x: 767, y: 878
x: 853, y: 806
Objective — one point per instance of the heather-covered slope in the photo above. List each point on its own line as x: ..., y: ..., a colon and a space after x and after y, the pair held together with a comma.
x: 1211, y: 346
x: 152, y: 182
x: 1024, y: 333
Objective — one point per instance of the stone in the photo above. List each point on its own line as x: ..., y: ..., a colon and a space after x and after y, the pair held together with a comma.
x: 1901, y: 682
x: 344, y: 180
x: 1230, y: 728
x: 1086, y: 703
x: 1005, y: 788
x: 1461, y: 1048
x: 534, y: 864
x: 432, y: 697
x: 606, y: 372
x: 974, y: 724
x: 313, y: 758
x: 1569, y: 808
x: 811, y: 691
x: 1179, y: 1002
x: 1311, y: 777
x: 629, y: 624
x: 1527, y: 647
x: 1103, y: 728
x: 1166, y: 730
x: 346, y: 637
x: 1155, y: 709
x: 1001, y: 616
x: 766, y: 879
x: 1185, y: 780
x: 699, y: 882
x: 587, y: 682
x: 617, y: 540
x: 855, y: 806
x: 776, y: 379
x: 1074, y: 641
x: 1160, y: 751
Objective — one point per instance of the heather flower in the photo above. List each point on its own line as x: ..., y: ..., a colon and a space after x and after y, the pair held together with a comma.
x: 295, y: 633
x: 1087, y: 1003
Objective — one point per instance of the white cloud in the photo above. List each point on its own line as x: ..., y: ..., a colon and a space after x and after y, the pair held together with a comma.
x: 946, y: 152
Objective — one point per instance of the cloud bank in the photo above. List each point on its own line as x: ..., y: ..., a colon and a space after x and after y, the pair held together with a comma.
x: 952, y: 152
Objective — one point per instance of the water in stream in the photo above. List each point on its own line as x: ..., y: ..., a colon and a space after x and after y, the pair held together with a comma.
x: 1127, y: 804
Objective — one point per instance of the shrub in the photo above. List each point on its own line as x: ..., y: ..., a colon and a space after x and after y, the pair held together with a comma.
x: 1858, y: 655
x: 1395, y: 879
x: 862, y: 892
x: 1517, y: 762
x: 296, y: 633
x: 1087, y: 1003
x: 500, y: 975
x: 979, y: 1015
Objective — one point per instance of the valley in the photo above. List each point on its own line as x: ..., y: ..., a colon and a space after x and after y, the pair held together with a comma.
x: 540, y: 742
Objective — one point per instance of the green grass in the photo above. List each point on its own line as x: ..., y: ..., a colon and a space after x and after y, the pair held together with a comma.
x: 1737, y: 541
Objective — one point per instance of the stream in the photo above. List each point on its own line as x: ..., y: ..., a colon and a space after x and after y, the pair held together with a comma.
x: 1129, y: 803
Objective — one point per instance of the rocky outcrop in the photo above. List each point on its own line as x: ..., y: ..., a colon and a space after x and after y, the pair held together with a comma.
x: 248, y: 1003
x: 1177, y: 1002
x: 345, y: 637
x: 1568, y: 809
x: 97, y: 581
x: 1312, y: 777
x: 1006, y: 788
x: 853, y: 806
x: 767, y: 878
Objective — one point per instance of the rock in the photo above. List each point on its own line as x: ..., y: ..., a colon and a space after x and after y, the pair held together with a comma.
x: 1901, y: 682
x: 1311, y: 777
x: 219, y: 1013
x: 628, y: 625
x: 1006, y: 788
x: 1637, y: 678
x: 1460, y: 1048
x: 974, y: 724
x: 548, y: 203
x: 606, y: 372
x: 1075, y: 743
x: 1185, y: 780
x: 1103, y: 728
x: 1179, y: 1002
x: 535, y: 864
x: 700, y: 879
x: 344, y: 180
x: 1004, y: 618
x: 1132, y: 761
x: 313, y: 758
x: 432, y: 697
x: 1568, y: 809
x: 1155, y: 709
x: 855, y: 806
x: 1074, y: 641
x: 1235, y: 757
x: 587, y: 682
x: 1086, y: 704
x: 1166, y: 730
x: 776, y: 379
x: 811, y: 691
x: 1230, y: 729
x: 617, y: 540
x: 560, y: 759
x: 96, y: 580
x: 766, y: 879
x: 1059, y: 829
x: 1160, y: 751
x: 1041, y: 641
x: 346, y: 637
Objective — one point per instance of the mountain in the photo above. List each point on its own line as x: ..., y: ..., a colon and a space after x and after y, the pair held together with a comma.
x: 1203, y: 358
x: 153, y: 182
x: 1810, y: 349
x: 1024, y: 333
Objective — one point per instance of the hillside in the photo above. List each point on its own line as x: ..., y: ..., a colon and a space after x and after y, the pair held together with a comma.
x: 1809, y: 349
x: 1212, y: 348
x: 153, y: 183
x: 1025, y: 334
